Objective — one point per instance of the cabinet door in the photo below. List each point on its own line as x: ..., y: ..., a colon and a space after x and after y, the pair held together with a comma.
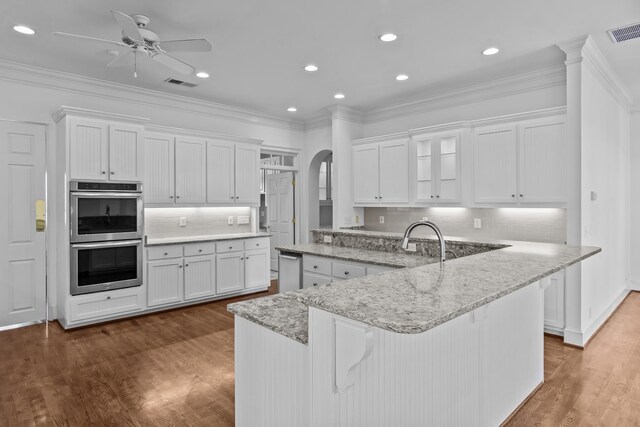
x: 229, y: 272
x: 366, y: 178
x: 394, y: 172
x: 158, y: 169
x: 191, y: 164
x: 199, y: 277
x: 88, y: 150
x: 554, y: 303
x: 425, y: 191
x: 542, y: 162
x: 495, y: 165
x: 247, y: 174
x: 448, y: 168
x: 125, y: 153
x: 256, y: 269
x: 220, y: 172
x: 164, y: 281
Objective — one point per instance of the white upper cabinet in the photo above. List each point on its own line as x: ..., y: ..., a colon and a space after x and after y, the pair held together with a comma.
x: 381, y: 172
x: 158, y: 169
x: 220, y: 172
x: 366, y: 174
x: 521, y: 164
x: 247, y: 174
x: 190, y: 172
x: 102, y: 151
x: 437, y: 168
x: 542, y: 171
x: 495, y: 154
x: 88, y: 150
x: 125, y: 153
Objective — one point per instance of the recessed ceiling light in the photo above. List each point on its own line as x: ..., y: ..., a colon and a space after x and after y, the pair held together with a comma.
x: 339, y: 96
x: 490, y: 51
x: 311, y: 67
x: 292, y: 109
x: 202, y: 75
x: 388, y: 37
x: 402, y: 77
x: 22, y: 29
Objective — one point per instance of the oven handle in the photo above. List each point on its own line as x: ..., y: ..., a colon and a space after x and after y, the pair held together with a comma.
x: 103, y: 195
x: 106, y: 244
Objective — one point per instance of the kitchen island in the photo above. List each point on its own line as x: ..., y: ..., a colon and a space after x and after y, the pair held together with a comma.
x: 459, y: 343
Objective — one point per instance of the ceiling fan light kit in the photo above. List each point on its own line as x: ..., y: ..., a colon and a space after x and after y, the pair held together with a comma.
x: 142, y: 41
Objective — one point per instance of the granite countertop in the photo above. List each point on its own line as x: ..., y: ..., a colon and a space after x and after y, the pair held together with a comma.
x: 210, y: 238
x: 388, y: 259
x: 414, y: 300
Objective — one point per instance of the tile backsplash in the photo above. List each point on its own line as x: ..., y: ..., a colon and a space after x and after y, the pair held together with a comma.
x: 165, y: 222
x: 530, y: 224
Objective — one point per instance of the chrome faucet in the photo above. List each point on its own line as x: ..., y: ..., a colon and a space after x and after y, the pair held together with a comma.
x: 407, y: 233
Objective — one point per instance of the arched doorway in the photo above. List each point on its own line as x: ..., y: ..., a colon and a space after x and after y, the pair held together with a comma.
x: 320, y: 203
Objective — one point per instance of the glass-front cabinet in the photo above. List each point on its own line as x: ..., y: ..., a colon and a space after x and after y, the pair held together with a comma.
x: 437, y: 163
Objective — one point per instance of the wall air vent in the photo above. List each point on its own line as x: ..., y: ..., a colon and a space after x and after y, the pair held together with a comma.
x: 625, y: 33
x: 180, y: 82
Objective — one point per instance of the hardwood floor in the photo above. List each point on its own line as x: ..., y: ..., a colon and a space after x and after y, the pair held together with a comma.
x: 176, y: 368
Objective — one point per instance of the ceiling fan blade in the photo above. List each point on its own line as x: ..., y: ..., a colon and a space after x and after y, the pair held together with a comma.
x: 190, y: 45
x: 173, y: 63
x: 122, y: 60
x: 76, y: 36
x: 129, y: 27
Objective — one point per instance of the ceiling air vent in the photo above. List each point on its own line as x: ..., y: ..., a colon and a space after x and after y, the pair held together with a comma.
x: 625, y: 33
x: 180, y: 82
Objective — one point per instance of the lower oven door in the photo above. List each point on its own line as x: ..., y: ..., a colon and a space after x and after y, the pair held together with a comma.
x: 104, y: 266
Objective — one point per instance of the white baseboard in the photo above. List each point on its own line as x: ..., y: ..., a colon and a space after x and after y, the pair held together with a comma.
x: 580, y: 338
x: 552, y: 330
x: 634, y: 285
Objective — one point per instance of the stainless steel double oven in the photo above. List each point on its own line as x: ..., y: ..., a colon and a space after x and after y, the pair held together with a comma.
x: 107, y: 225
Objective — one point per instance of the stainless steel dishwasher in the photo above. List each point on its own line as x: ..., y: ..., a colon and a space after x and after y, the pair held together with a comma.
x: 289, y: 272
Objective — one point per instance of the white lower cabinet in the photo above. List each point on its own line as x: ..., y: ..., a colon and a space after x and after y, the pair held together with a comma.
x: 230, y: 274
x: 102, y: 305
x: 554, y: 304
x: 256, y: 269
x: 165, y: 279
x: 199, y: 277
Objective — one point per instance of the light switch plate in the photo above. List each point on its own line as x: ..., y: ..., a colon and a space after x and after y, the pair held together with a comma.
x: 183, y: 221
x: 243, y: 219
x: 381, y: 219
x: 477, y: 223
x: 230, y: 220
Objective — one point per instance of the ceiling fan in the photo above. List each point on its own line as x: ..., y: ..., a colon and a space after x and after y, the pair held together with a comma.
x: 142, y: 41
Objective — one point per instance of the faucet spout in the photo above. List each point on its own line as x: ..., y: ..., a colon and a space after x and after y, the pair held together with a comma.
x: 431, y: 225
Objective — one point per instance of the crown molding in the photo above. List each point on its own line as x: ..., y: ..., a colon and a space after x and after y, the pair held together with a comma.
x: 73, y: 83
x: 379, y: 138
x: 579, y: 48
x: 340, y: 112
x: 198, y: 134
x: 494, y: 89
x: 320, y: 120
x: 93, y: 114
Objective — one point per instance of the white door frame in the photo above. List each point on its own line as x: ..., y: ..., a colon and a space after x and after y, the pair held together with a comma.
x: 46, y: 232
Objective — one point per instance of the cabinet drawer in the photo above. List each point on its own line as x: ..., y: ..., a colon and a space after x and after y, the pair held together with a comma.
x: 316, y: 264
x: 199, y: 249
x: 310, y: 280
x: 346, y: 271
x: 230, y: 246
x: 261, y: 243
x: 164, y: 252
x: 105, y: 304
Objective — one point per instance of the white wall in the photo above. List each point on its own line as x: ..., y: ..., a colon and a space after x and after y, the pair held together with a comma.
x: 605, y: 134
x: 635, y: 201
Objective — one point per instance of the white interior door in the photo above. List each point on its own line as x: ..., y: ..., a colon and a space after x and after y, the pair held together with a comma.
x: 280, y: 212
x: 22, y: 248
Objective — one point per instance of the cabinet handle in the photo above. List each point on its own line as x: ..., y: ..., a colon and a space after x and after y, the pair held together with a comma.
x: 113, y: 173
x: 346, y: 273
x: 432, y: 197
x: 522, y: 195
x: 237, y: 197
x: 513, y: 195
x: 186, y: 265
x: 109, y: 297
x: 230, y: 247
x: 171, y: 197
x: 246, y: 258
x: 179, y: 266
x: 380, y: 197
x: 376, y: 197
x: 103, y: 173
x: 177, y: 197
x: 231, y: 197
x: 315, y: 284
x: 437, y: 197
x: 315, y: 266
x: 199, y: 250
x: 165, y: 254
x: 241, y: 259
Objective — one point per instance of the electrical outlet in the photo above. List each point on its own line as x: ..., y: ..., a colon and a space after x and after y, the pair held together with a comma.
x: 381, y: 219
x: 327, y: 239
x: 424, y: 218
x: 357, y: 219
x: 183, y: 221
x: 411, y: 247
x: 243, y: 219
x: 477, y: 223
x: 230, y: 220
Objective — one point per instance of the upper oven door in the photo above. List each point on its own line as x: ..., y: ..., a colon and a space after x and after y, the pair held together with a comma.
x: 102, y: 216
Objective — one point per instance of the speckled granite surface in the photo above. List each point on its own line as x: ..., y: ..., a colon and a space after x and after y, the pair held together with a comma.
x: 211, y: 238
x: 414, y: 300
x: 388, y: 259
x: 282, y: 313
